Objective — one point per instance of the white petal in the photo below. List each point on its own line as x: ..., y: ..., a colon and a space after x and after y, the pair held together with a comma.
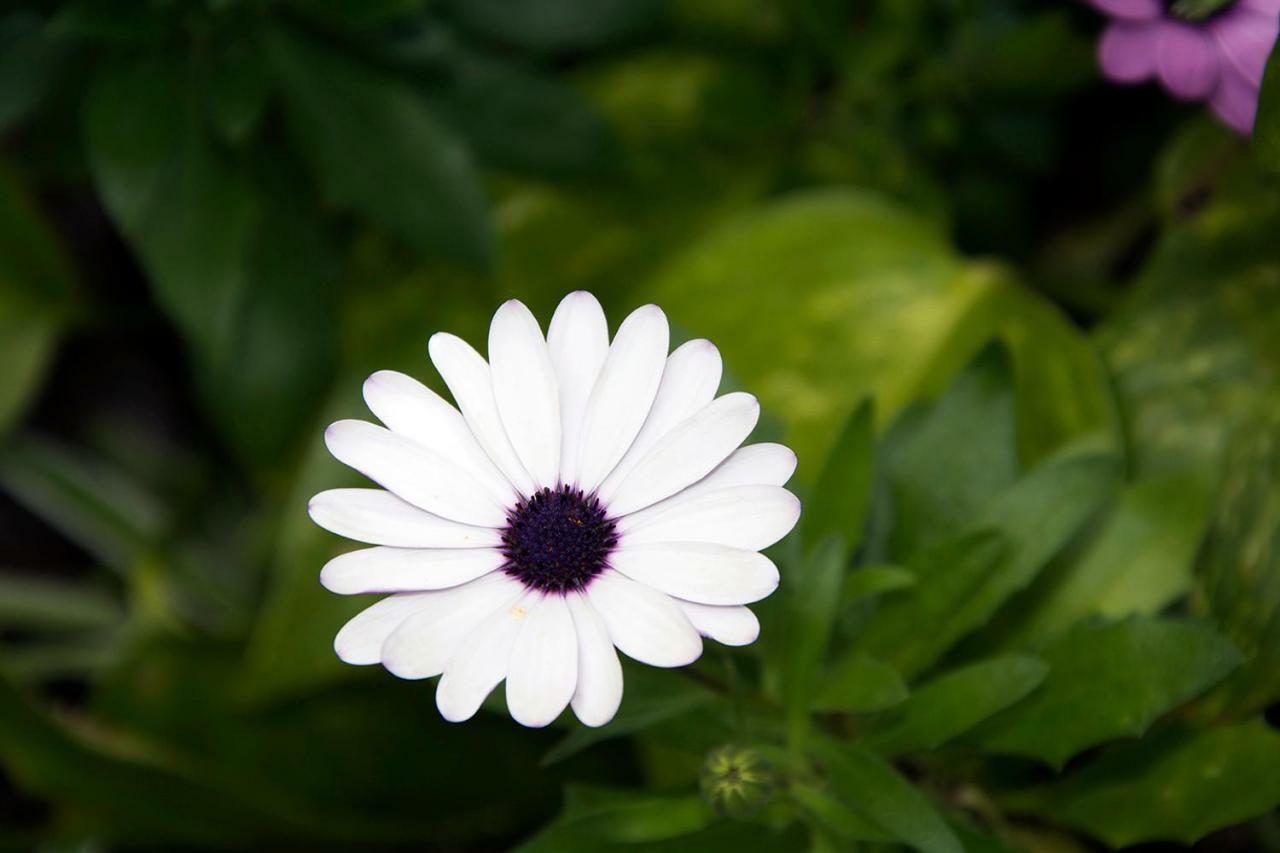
x: 578, y: 339
x: 748, y: 517
x: 360, y: 640
x: 599, y: 690
x: 733, y: 626
x: 419, y: 647
x: 480, y: 662
x: 644, y: 623
x: 686, y: 454
x: 380, y: 518
x: 543, y: 670
x: 689, y: 382
x: 524, y: 387
x: 421, y: 476
x: 413, y: 410
x: 407, y: 569
x: 623, y: 393
x: 765, y: 464
x: 470, y: 381
x: 695, y: 571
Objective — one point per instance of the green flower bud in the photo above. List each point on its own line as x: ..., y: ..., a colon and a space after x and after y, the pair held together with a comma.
x: 736, y: 781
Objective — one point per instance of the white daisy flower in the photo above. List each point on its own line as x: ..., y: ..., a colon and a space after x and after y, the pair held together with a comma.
x: 584, y: 495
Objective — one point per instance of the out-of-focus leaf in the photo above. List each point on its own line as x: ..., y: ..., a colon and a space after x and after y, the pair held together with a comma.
x: 92, y: 503
x: 237, y: 86
x: 810, y: 601
x: 720, y: 837
x: 420, y: 184
x: 623, y: 817
x: 1109, y: 681
x: 28, y: 57
x: 1138, y: 562
x: 557, y: 25
x: 40, y: 604
x: 1266, y: 125
x: 837, y: 507
x: 944, y: 462
x: 874, y: 789
x: 963, y: 581
x: 650, y: 697
x: 834, y: 815
x: 245, y: 278
x: 953, y: 703
x: 1238, y: 570
x: 76, y: 657
x: 1175, y: 786
x: 870, y: 581
x: 520, y: 120
x: 36, y: 286
x: 860, y: 684
x: 887, y: 311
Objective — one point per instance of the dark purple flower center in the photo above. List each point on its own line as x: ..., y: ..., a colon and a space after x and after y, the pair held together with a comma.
x: 1197, y: 10
x: 557, y: 540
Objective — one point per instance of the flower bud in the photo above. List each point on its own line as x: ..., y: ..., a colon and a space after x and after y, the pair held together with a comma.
x: 736, y: 781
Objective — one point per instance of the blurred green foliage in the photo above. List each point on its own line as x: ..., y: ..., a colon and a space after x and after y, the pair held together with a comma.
x: 1020, y: 327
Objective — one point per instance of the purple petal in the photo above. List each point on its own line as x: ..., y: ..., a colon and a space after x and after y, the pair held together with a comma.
x: 1127, y: 52
x: 1186, y: 60
x: 1132, y: 10
x: 1235, y: 101
x: 1270, y: 8
x: 1245, y: 38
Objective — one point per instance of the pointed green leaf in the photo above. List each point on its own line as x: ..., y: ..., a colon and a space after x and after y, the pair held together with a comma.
x: 953, y: 703
x: 838, y: 505
x: 811, y: 597
x: 859, y: 684
x: 1109, y: 681
x: 1176, y: 786
x: 869, y: 581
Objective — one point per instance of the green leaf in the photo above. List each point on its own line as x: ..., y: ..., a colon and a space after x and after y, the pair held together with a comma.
x: 420, y: 184
x: 28, y: 63
x: 875, y: 276
x: 244, y: 275
x: 951, y: 704
x: 810, y: 599
x: 557, y: 25
x: 1238, y: 569
x: 874, y: 789
x: 36, y: 291
x: 835, y: 815
x: 1177, y: 786
x: 237, y: 87
x: 625, y: 817
x: 859, y: 684
x: 40, y: 604
x: 869, y: 581
x: 650, y: 697
x: 944, y: 462
x: 1266, y: 125
x: 1108, y: 681
x: 1139, y: 561
x: 838, y: 505
x: 963, y: 582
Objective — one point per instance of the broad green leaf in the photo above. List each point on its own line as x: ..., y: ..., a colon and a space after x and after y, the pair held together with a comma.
x: 951, y: 704
x: 869, y: 581
x: 810, y: 600
x: 1109, y: 681
x: 965, y: 580
x: 1174, y: 786
x: 629, y: 817
x: 837, y: 506
x: 244, y: 275
x: 1139, y: 561
x: 1238, y: 569
x: 859, y: 684
x: 41, y: 604
x: 421, y: 183
x: 888, y: 311
x: 944, y: 462
x: 871, y: 787
x: 649, y: 698
x: 36, y: 291
x: 557, y: 25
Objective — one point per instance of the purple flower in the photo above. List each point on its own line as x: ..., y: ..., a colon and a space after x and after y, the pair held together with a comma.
x: 1212, y: 50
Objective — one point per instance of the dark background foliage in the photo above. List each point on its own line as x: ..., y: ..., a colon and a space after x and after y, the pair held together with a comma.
x: 1029, y: 320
